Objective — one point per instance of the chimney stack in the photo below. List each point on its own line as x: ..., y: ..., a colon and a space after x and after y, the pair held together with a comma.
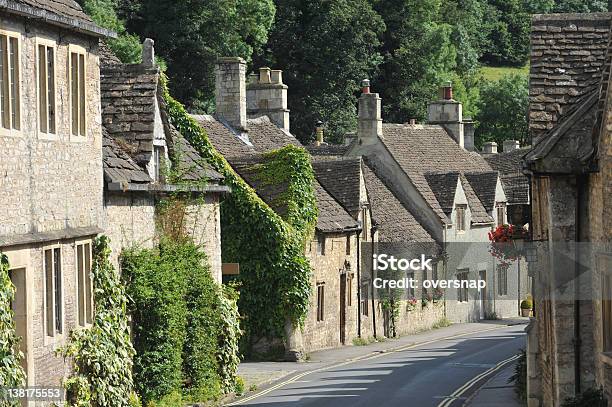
x: 448, y: 113
x: 267, y: 96
x: 489, y: 147
x: 148, y: 53
x: 230, y: 91
x: 469, y: 131
x: 511, y: 145
x: 370, y: 115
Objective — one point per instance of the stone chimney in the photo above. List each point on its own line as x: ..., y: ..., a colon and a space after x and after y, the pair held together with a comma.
x: 230, y: 91
x: 511, y: 145
x: 267, y: 96
x: 468, y: 134
x: 448, y: 113
x: 148, y: 53
x: 489, y: 147
x: 319, y: 133
x: 370, y: 115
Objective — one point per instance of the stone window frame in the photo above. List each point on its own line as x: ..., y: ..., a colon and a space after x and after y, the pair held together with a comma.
x: 81, y: 51
x: 57, y: 336
x: 19, y: 131
x: 88, y: 317
x: 47, y: 42
x: 321, y: 243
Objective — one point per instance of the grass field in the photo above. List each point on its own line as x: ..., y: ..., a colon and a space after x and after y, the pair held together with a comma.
x: 493, y: 73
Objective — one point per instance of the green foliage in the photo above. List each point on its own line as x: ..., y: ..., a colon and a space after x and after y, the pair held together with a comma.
x: 126, y: 46
x: 495, y: 73
x: 508, y: 23
x: 580, y: 6
x: 191, y: 34
x: 11, y: 373
x: 103, y: 353
x: 275, y: 273
x: 442, y: 323
x: 526, y: 304
x: 519, y: 378
x: 588, y: 398
x: 325, y: 48
x: 503, y: 110
x: 186, y: 328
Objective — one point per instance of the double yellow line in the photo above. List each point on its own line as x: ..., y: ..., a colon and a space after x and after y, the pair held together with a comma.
x: 375, y: 356
x: 461, y: 390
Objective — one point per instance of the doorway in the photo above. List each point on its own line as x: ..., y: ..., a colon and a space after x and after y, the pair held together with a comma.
x: 19, y: 306
x: 482, y: 292
x: 343, y: 308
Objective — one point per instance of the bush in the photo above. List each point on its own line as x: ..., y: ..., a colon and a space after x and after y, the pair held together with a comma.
x: 527, y: 304
x: 519, y: 378
x: 588, y: 398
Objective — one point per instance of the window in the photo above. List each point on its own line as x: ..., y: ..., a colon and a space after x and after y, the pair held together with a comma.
x: 364, y: 219
x: 10, y: 112
x: 321, y: 245
x: 365, y: 291
x: 46, y: 88
x: 77, y: 94
x: 501, y: 214
x: 84, y: 284
x: 320, y: 301
x: 410, y: 289
x: 502, y: 281
x: 349, y: 282
x: 53, y: 290
x: 158, y: 160
x: 462, y: 291
x: 348, y: 245
x: 460, y: 213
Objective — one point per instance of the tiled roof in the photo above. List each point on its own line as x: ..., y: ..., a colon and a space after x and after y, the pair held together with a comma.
x: 444, y: 187
x: 329, y: 150
x: 477, y: 210
x: 516, y: 187
x: 485, y: 186
x: 395, y: 222
x: 223, y: 139
x: 510, y: 167
x: 118, y: 165
x: 507, y: 162
x: 568, y: 55
x: 266, y: 136
x: 342, y: 179
x: 188, y: 162
x: 64, y: 13
x: 129, y: 97
x: 332, y: 216
x: 421, y: 149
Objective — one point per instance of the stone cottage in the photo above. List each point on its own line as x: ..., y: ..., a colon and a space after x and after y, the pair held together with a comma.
x: 569, y: 340
x: 146, y: 160
x: 451, y: 192
x: 242, y: 132
x: 51, y: 183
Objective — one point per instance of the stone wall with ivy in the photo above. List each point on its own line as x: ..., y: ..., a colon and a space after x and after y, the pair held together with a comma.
x: 275, y: 273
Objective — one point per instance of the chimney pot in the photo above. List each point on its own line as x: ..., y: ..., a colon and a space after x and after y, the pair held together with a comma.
x: 447, y: 91
x: 276, y: 77
x: 264, y: 75
x: 148, y: 53
x: 490, y: 147
x: 319, y: 131
x: 511, y: 145
x: 365, y: 86
x: 253, y: 78
x: 412, y: 122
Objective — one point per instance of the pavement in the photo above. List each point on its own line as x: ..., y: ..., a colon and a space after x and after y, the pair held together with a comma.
x: 272, y: 377
x: 498, y: 391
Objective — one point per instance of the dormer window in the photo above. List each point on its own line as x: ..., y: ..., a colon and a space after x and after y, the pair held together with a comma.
x: 460, y: 217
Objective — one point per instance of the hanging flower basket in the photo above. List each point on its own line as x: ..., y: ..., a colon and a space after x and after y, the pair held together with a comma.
x: 506, y: 243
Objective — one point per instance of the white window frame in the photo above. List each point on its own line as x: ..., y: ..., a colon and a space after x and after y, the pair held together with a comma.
x: 53, y: 44
x: 77, y: 49
x: 83, y: 242
x: 56, y: 336
x: 14, y: 132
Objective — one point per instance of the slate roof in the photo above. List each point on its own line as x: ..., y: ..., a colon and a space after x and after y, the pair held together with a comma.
x: 342, y: 179
x: 484, y: 185
x: 223, y: 139
x: 63, y: 13
x: 330, y: 150
x: 118, y: 165
x: 477, y: 209
x: 516, y: 187
x: 395, y: 222
x: 129, y: 97
x: 444, y: 187
x: 568, y: 56
x: 266, y: 136
x: 423, y: 149
x: 510, y: 167
x: 189, y: 163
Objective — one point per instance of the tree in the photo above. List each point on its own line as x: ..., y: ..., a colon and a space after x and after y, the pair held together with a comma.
x: 325, y: 49
x: 191, y: 34
x: 503, y: 110
x: 580, y: 6
x: 509, y: 23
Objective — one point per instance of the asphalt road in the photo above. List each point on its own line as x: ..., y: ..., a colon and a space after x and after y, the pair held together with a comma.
x: 442, y: 373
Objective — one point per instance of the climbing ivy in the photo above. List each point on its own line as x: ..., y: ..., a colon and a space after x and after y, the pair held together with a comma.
x: 11, y: 372
x: 275, y: 273
x: 102, y: 353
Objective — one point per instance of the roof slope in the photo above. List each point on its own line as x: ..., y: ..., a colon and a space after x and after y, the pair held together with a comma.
x: 63, y: 13
x: 444, y: 187
x: 342, y: 179
x: 477, y: 210
x: 510, y: 166
x: 485, y: 186
x: 395, y: 222
x: 422, y: 149
x: 225, y: 141
x: 189, y: 164
x: 118, y: 165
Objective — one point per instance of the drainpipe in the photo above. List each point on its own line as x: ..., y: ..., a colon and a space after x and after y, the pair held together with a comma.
x: 359, y: 283
x: 372, y: 233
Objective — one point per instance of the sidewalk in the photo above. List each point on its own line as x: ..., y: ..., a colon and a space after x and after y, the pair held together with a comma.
x: 497, y: 391
x: 257, y: 375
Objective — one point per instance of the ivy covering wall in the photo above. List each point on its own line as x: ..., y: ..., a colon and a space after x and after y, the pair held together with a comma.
x: 274, y: 271
x: 11, y: 372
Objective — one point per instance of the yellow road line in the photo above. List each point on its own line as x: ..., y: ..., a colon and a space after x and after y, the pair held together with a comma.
x: 457, y: 393
x: 321, y: 369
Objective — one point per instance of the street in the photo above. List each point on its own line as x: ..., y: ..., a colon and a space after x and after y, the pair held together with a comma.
x: 437, y: 373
